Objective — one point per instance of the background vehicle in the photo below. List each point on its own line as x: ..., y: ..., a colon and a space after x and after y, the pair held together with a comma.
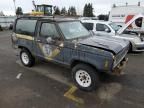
x: 109, y: 29
x: 67, y: 42
x: 11, y: 26
x: 6, y: 21
x: 41, y: 10
x: 122, y: 14
x: 44, y: 10
x: 101, y: 28
x: 1, y: 28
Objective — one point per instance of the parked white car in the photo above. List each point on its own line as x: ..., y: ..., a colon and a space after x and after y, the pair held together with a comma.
x: 103, y: 28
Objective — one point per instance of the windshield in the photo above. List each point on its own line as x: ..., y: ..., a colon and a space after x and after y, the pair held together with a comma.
x: 73, y: 30
x: 114, y: 26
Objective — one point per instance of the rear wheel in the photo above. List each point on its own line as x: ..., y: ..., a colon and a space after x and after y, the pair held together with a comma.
x: 85, y: 77
x: 26, y: 58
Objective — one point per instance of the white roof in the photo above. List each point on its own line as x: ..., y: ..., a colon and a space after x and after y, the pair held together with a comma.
x: 96, y: 21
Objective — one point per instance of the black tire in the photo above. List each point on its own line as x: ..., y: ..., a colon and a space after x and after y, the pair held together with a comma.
x: 1, y: 28
x: 31, y: 61
x: 130, y: 48
x: 92, y: 73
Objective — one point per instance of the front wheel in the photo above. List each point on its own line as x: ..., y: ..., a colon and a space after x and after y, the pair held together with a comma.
x: 26, y: 58
x: 130, y: 48
x: 85, y: 77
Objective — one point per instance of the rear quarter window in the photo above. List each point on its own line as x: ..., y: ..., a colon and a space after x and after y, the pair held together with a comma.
x: 25, y: 27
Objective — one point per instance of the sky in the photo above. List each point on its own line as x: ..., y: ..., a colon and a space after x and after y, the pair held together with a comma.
x: 100, y: 6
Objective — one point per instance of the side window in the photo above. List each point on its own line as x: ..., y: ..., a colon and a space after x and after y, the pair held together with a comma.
x: 26, y: 27
x: 138, y: 22
x: 101, y: 27
x: 88, y: 26
x: 48, y: 30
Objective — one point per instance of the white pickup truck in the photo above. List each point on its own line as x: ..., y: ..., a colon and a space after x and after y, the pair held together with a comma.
x: 109, y: 29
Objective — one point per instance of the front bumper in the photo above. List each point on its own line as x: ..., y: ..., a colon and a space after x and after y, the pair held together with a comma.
x: 118, y: 70
x: 138, y: 47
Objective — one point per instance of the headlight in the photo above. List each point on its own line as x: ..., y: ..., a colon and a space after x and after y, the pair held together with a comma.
x: 137, y: 40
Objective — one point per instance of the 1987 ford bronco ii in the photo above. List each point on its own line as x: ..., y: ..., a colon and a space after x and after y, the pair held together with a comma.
x: 67, y: 42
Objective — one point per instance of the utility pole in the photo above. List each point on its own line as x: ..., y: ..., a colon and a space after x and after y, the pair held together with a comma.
x: 14, y: 6
x: 34, y: 4
x: 139, y: 3
x: 126, y: 3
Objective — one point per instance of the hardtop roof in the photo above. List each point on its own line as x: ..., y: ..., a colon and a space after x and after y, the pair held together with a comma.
x: 49, y: 18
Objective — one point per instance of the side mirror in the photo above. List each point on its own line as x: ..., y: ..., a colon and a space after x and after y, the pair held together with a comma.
x: 49, y: 39
x: 52, y: 39
x: 107, y: 30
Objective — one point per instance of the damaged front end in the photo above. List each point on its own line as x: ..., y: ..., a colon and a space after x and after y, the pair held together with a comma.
x: 118, y: 70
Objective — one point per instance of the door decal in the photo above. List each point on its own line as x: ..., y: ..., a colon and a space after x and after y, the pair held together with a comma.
x: 50, y: 52
x: 47, y: 50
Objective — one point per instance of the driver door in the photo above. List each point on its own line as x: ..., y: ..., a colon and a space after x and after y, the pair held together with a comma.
x: 49, y: 43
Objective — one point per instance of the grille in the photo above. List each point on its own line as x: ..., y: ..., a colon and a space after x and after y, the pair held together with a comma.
x: 120, y: 56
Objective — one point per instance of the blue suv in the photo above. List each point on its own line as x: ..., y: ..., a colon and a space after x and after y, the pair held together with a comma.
x: 67, y: 42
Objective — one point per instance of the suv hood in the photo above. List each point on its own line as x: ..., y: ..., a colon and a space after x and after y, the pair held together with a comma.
x: 110, y: 44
